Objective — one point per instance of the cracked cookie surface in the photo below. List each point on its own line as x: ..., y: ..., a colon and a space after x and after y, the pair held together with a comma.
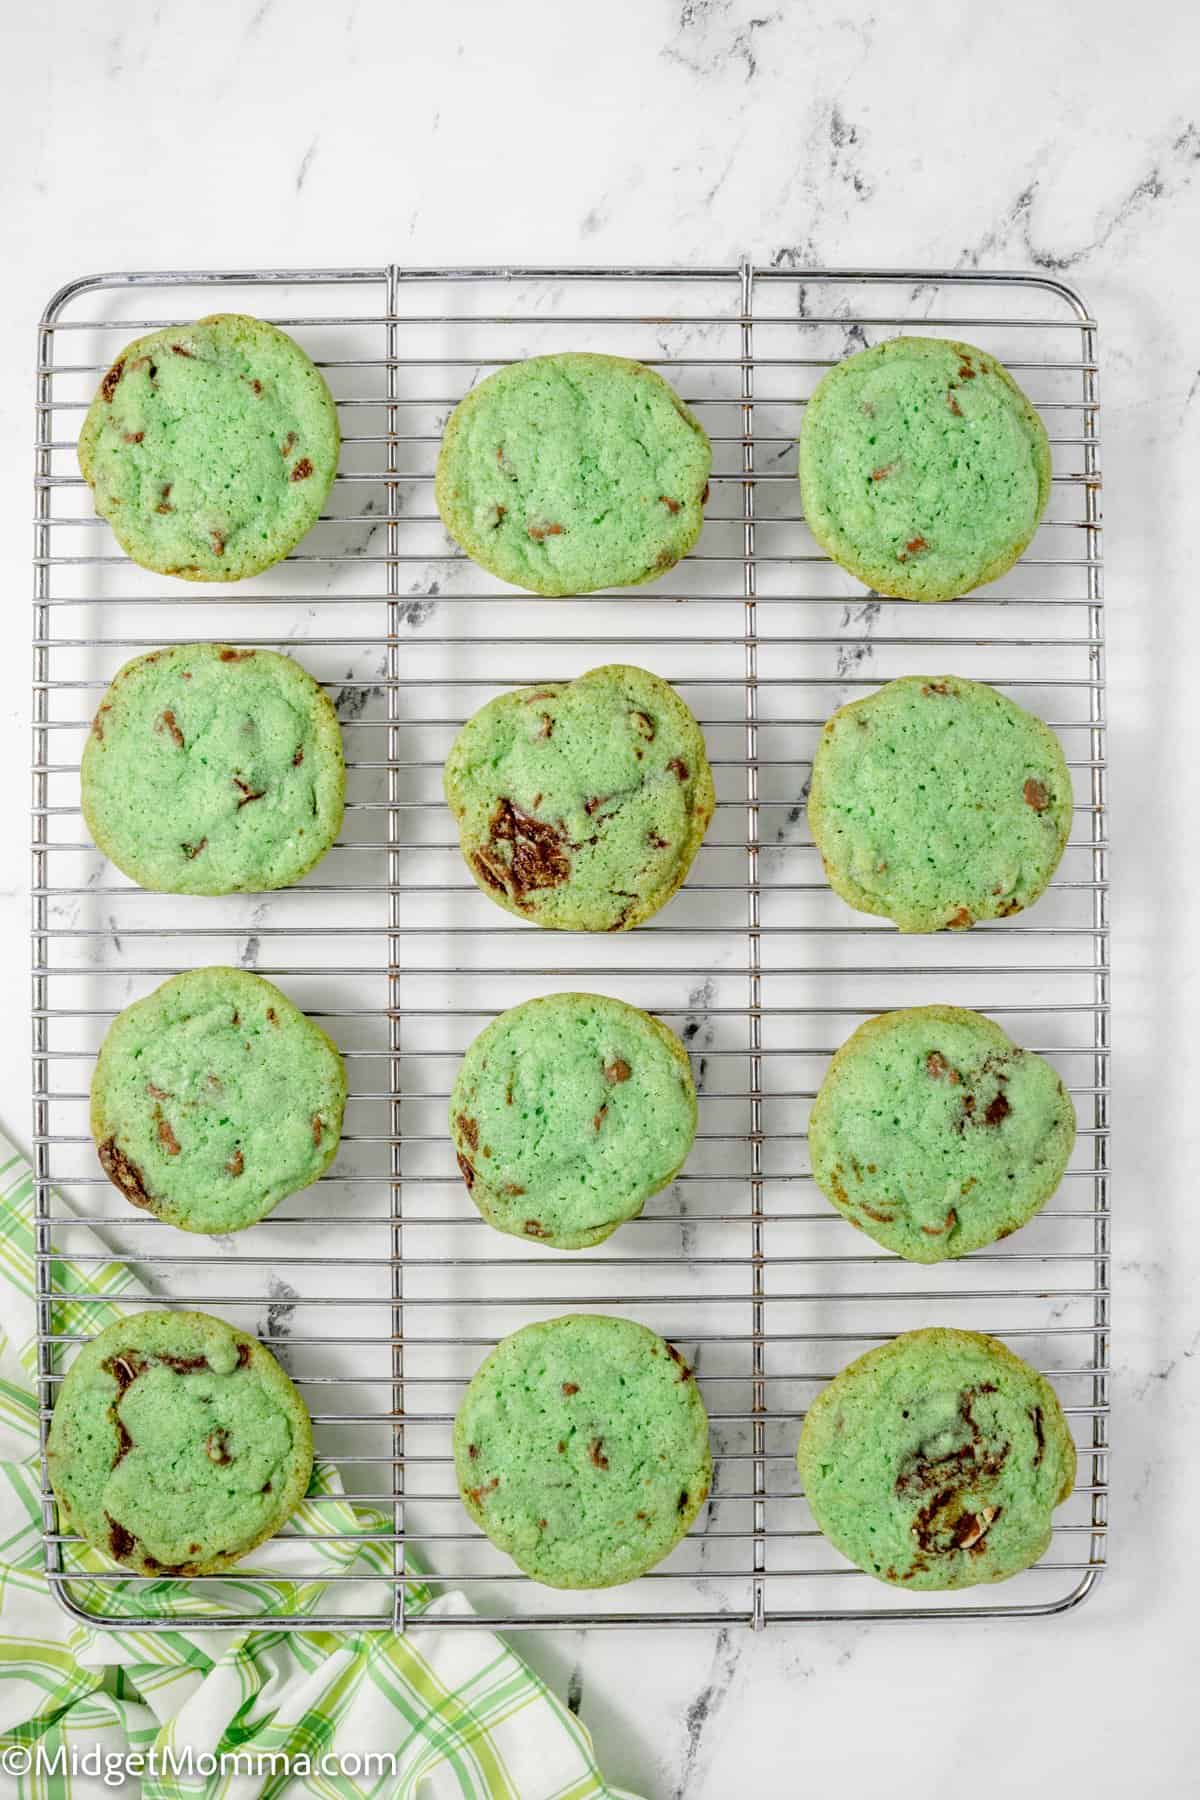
x: 936, y: 1460
x: 937, y: 802
x: 567, y: 473
x: 214, y: 770
x: 924, y: 469
x: 581, y: 804
x: 581, y: 1449
x: 214, y: 1098
x: 935, y: 1134
x: 210, y: 448
x: 177, y: 1444
x: 567, y: 1114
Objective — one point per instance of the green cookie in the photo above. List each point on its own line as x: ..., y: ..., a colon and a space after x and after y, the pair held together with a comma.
x: 935, y: 1134
x: 210, y: 770
x: 581, y: 1448
x: 574, y: 472
x: 177, y: 1444
x: 937, y: 801
x: 210, y: 448
x: 936, y: 1461
x: 581, y: 804
x: 568, y: 1113
x: 924, y: 470
x: 214, y: 1098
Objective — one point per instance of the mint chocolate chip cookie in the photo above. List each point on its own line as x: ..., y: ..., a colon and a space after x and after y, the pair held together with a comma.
x: 213, y: 770
x: 936, y: 1135
x: 214, y: 1098
x: 936, y: 802
x: 581, y: 804
x: 573, y: 472
x: 567, y: 1114
x: 210, y: 448
x: 581, y: 1449
x: 177, y: 1444
x: 937, y: 1460
x: 924, y: 470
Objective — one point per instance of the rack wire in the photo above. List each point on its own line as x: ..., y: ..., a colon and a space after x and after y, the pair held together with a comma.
x: 380, y: 1288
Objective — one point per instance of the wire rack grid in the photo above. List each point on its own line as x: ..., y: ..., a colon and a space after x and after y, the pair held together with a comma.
x: 380, y: 1288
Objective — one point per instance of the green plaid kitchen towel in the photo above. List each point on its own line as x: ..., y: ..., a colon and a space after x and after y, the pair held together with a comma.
x: 277, y: 1714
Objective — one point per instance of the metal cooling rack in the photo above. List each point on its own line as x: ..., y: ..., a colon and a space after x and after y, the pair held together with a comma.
x: 380, y: 1287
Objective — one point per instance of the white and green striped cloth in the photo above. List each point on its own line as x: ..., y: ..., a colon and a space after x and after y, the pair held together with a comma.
x: 260, y: 1713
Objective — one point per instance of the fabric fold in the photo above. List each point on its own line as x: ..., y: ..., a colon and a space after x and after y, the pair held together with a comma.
x: 441, y: 1715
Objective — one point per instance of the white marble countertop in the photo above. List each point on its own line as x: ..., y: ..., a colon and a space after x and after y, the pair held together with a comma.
x: 151, y: 134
